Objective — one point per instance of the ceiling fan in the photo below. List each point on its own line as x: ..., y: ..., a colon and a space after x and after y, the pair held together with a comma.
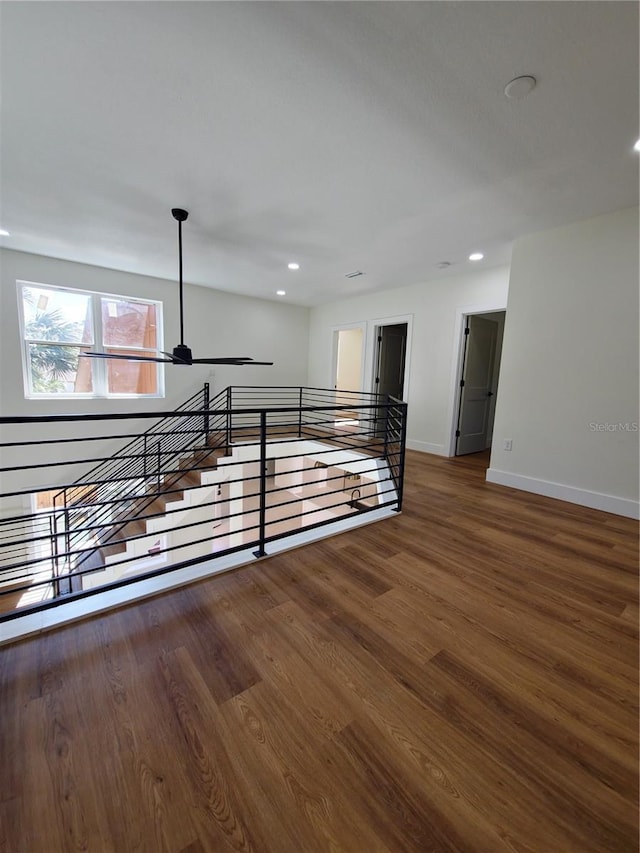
x: 182, y: 353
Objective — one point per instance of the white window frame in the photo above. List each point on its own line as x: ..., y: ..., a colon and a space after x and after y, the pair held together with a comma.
x: 98, y: 366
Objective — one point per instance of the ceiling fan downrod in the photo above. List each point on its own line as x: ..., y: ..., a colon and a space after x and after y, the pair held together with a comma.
x: 182, y: 354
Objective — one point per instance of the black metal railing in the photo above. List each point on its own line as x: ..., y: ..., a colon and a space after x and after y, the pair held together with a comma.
x: 110, y: 489
x: 216, y: 476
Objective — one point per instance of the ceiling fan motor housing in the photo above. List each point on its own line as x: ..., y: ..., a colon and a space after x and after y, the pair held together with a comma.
x: 182, y: 354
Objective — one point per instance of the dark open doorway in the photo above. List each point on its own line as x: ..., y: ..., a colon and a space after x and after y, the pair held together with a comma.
x: 390, y: 360
x: 478, y: 382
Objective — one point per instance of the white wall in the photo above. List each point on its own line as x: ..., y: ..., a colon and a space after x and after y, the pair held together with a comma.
x: 434, y: 310
x: 216, y: 324
x: 570, y: 363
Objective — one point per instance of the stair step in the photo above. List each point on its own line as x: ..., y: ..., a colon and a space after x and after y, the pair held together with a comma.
x: 133, y: 528
x: 113, y: 550
x: 175, y: 483
x: 205, y: 457
x: 214, y: 439
x: 152, y: 507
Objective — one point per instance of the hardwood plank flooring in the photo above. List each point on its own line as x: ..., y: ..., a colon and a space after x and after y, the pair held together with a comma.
x: 463, y: 677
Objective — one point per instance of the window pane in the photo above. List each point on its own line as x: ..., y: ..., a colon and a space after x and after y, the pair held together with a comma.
x: 59, y: 370
x: 128, y: 324
x: 131, y: 377
x: 56, y: 315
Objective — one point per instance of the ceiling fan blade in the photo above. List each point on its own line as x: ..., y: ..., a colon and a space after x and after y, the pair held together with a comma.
x: 173, y: 358
x: 235, y: 361
x: 224, y: 358
x: 123, y: 357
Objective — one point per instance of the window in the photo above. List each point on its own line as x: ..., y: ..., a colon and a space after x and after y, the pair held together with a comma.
x: 58, y: 324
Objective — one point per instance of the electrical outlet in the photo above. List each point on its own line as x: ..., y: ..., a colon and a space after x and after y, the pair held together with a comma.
x: 507, y: 444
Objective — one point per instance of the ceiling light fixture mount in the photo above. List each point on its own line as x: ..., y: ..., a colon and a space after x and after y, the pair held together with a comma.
x: 520, y: 87
x: 181, y: 353
x: 293, y: 266
x: 476, y: 256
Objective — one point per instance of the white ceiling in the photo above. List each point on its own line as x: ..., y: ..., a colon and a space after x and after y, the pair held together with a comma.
x: 372, y: 136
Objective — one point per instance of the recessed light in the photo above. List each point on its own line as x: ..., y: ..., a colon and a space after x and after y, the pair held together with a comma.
x: 293, y: 266
x: 519, y: 87
x: 636, y: 147
x: 443, y: 265
x: 281, y: 292
x: 4, y: 233
x: 476, y: 256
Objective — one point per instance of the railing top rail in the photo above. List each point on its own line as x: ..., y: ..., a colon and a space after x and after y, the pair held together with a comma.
x: 19, y: 520
x: 300, y: 387
x: 26, y: 419
x: 83, y: 438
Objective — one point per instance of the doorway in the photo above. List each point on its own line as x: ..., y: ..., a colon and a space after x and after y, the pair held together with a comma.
x: 478, y: 381
x: 390, y: 360
x: 348, y: 359
x: 348, y: 346
x: 389, y: 369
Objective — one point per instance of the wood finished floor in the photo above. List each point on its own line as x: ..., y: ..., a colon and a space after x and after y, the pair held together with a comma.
x: 460, y: 678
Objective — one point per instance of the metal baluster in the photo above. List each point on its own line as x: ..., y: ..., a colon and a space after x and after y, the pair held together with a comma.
x: 67, y: 538
x: 263, y: 484
x: 402, y: 410
x: 55, y: 561
x: 206, y: 408
x: 144, y: 457
x: 386, y: 427
x: 228, y: 428
x: 300, y: 415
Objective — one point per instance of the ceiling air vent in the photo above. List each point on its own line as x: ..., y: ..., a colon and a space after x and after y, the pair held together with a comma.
x: 353, y: 274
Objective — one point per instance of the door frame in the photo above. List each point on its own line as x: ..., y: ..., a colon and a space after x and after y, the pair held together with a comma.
x: 373, y: 348
x: 458, y: 361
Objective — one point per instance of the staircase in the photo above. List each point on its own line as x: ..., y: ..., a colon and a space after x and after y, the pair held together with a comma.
x: 171, y: 489
x: 116, y: 495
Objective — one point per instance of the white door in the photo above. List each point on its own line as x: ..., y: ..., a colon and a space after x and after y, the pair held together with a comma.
x: 476, y: 392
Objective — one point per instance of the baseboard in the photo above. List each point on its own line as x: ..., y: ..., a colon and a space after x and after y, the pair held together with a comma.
x: 426, y: 447
x: 584, y: 497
